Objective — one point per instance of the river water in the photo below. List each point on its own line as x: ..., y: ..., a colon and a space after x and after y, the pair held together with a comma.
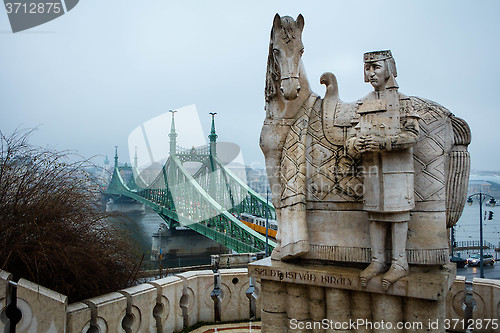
x: 180, y: 248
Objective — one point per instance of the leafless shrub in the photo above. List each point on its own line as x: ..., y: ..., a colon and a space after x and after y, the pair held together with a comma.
x: 53, y: 230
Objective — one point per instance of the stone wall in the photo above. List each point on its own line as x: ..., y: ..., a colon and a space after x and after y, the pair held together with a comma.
x: 236, y: 259
x: 174, y: 302
x: 164, y: 305
x: 484, y: 299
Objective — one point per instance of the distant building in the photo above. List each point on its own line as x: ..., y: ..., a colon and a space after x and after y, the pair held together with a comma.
x: 150, y: 173
x: 106, y: 171
x: 239, y: 170
x: 126, y: 173
x: 476, y: 186
x: 257, y: 180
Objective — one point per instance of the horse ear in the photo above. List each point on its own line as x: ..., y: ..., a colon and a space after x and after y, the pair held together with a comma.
x: 277, y: 22
x: 300, y: 22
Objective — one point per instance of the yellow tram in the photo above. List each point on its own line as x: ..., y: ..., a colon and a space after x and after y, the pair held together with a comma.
x: 259, y: 224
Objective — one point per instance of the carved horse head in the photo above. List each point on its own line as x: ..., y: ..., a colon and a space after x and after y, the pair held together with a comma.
x: 285, y: 51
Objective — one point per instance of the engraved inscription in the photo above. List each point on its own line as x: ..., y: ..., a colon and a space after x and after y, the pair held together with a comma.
x: 304, y: 276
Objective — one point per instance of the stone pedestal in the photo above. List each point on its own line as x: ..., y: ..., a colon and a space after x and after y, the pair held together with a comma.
x: 309, y: 297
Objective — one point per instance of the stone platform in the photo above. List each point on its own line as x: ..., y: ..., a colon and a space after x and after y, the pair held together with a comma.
x: 296, y: 296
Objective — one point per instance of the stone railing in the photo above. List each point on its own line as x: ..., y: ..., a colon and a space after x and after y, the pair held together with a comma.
x: 164, y: 305
x: 182, y: 300
x: 474, y: 305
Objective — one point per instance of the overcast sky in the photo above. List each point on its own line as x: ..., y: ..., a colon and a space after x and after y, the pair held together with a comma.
x: 90, y: 77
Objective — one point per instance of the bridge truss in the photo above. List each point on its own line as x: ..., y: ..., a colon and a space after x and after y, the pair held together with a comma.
x: 207, y: 201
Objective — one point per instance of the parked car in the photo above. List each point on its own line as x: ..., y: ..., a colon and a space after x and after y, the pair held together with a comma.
x: 475, y: 260
x: 461, y: 262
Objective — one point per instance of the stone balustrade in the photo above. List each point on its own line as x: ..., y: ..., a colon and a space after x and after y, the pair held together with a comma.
x: 483, y: 304
x: 172, y: 303
x: 165, y: 305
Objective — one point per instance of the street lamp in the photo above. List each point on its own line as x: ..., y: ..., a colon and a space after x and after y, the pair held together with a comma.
x: 159, y: 246
x: 492, y: 202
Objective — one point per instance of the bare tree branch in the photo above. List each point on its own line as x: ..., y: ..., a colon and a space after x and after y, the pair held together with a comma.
x: 53, y: 229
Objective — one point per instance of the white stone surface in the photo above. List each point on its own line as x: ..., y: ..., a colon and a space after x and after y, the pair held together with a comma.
x: 5, y: 277
x: 35, y: 302
x: 197, y: 287
x: 258, y: 293
x: 387, y: 308
x: 455, y: 299
x: 169, y: 293
x: 79, y: 315
x: 425, y: 285
x: 486, y: 294
x: 427, y: 241
x: 273, y: 298
x: 312, y: 172
x: 141, y: 301
x: 313, y: 292
x: 108, y: 311
x: 234, y: 259
x: 395, y: 211
x: 487, y: 297
x: 235, y: 304
x: 431, y: 314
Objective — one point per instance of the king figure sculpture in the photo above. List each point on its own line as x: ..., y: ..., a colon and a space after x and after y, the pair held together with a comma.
x: 384, y: 131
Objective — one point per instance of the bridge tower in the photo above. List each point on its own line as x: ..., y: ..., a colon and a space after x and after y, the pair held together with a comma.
x: 213, y: 136
x: 173, y: 135
x: 213, y: 154
x: 116, y: 157
x: 207, y: 201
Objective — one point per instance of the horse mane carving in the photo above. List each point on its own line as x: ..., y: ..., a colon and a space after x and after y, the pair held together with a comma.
x: 272, y: 73
x: 287, y: 27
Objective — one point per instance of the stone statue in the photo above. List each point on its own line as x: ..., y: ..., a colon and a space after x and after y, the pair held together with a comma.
x: 322, y: 199
x: 342, y: 176
x: 286, y: 93
x: 386, y: 128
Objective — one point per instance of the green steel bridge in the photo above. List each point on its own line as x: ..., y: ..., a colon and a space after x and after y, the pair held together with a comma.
x: 207, y: 201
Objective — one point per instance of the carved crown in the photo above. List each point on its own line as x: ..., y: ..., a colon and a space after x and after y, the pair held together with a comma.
x: 377, y: 55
